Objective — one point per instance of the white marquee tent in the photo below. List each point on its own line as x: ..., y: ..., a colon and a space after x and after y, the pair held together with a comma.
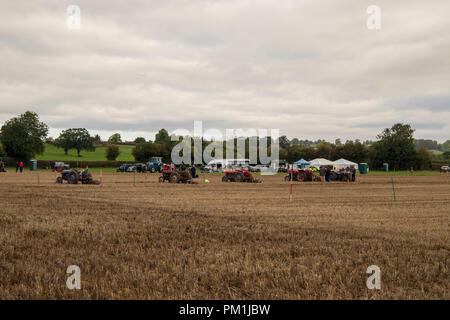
x: 321, y: 162
x: 342, y: 164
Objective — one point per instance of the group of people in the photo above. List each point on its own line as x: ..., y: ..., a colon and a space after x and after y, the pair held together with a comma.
x: 19, y: 166
x: 325, y: 173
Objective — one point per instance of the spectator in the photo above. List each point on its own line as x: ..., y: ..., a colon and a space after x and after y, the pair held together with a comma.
x: 21, y: 166
x: 17, y: 166
x: 327, y: 174
x: 322, y: 172
x: 182, y: 167
x: 172, y: 166
x: 353, y: 170
x: 193, y: 171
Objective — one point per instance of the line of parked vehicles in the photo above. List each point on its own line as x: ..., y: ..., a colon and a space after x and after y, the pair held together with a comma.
x: 154, y: 165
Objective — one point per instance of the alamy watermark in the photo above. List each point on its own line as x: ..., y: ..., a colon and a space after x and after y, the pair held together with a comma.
x: 74, y: 280
x: 374, y: 280
x: 73, y: 21
x: 373, y: 21
x: 257, y: 151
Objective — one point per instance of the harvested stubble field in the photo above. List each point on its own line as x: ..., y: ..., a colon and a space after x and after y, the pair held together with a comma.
x: 223, y: 240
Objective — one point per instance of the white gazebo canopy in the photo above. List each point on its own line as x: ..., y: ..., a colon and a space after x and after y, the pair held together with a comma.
x: 343, y: 163
x: 321, y: 162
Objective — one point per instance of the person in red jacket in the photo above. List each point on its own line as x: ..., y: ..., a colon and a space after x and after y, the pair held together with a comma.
x: 21, y: 166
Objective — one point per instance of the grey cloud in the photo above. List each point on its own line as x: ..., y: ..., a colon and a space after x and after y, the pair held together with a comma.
x: 311, y: 69
x: 431, y: 102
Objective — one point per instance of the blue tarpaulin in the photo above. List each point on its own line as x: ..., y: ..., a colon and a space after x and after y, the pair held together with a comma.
x: 301, y: 162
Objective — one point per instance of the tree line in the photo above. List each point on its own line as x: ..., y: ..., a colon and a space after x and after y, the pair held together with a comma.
x: 23, y: 137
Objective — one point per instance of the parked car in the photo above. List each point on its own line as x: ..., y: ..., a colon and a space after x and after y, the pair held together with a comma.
x: 123, y: 167
x: 259, y: 167
x: 140, y: 167
x: 445, y: 169
x: 131, y: 168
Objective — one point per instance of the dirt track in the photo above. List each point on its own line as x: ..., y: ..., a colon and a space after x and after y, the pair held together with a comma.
x: 223, y: 240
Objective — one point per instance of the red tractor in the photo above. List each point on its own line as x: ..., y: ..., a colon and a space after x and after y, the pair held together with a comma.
x: 302, y: 175
x: 174, y: 176
x: 239, y: 175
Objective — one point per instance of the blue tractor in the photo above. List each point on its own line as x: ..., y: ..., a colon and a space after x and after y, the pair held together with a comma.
x: 154, y: 164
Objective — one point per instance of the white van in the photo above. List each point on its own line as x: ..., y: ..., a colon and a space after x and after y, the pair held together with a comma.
x: 222, y: 164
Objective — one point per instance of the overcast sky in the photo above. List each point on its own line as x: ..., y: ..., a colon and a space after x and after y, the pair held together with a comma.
x: 309, y: 68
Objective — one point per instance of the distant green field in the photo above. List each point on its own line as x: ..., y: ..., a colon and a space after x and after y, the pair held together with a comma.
x: 436, y: 152
x: 53, y: 153
x: 404, y: 173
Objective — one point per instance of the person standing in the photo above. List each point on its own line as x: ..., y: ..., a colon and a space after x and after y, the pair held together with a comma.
x: 17, y: 166
x: 327, y: 174
x: 21, y: 166
x: 193, y: 171
x: 322, y: 173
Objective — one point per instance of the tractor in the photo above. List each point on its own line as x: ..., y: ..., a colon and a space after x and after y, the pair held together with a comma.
x: 302, y: 175
x: 340, y: 176
x: 75, y: 176
x: 173, y: 176
x: 155, y: 164
x: 239, y: 175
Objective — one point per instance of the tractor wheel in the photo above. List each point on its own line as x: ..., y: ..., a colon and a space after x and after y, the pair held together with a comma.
x: 73, y: 178
x: 152, y: 170
x: 59, y: 180
x: 287, y: 178
x: 161, y: 179
x: 224, y: 179
x: 174, y: 178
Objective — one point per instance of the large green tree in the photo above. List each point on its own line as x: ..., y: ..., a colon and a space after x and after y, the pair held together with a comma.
x: 144, y: 151
x: 115, y: 138
x: 112, y: 152
x: 162, y: 137
x: 423, y: 159
x: 23, y: 136
x: 97, y: 139
x: 445, y: 146
x: 76, y: 138
x: 140, y: 140
x: 356, y: 152
x: 2, y: 152
x: 395, y: 146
